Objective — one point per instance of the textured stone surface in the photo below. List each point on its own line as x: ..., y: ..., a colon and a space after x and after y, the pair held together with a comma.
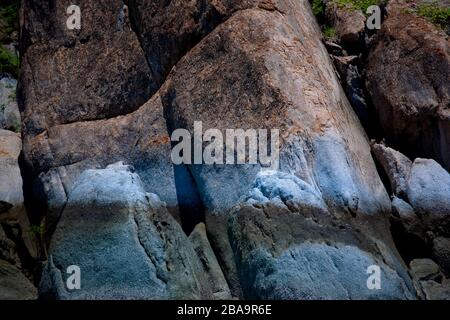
x: 441, y: 253
x: 407, y: 77
x: 429, y: 195
x: 229, y: 64
x: 209, y: 262
x: 97, y: 72
x: 288, y: 246
x: 11, y: 192
x: 14, y: 285
x: 132, y: 247
x: 349, y: 23
x: 9, y: 110
x: 396, y: 165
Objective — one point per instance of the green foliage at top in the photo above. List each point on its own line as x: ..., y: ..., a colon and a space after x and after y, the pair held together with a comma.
x: 434, y: 13
x: 9, y: 62
x: 357, y: 4
x: 9, y: 13
x: 9, y: 20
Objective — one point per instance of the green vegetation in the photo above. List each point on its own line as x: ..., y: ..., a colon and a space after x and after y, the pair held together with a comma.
x: 329, y: 33
x: 37, y: 230
x: 357, y: 4
x: 435, y: 14
x: 9, y: 22
x: 318, y: 7
x: 8, y: 62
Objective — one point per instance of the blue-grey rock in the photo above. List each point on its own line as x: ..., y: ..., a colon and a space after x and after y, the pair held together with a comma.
x: 124, y: 241
x: 429, y: 194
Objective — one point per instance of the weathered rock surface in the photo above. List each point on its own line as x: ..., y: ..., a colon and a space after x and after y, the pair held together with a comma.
x: 293, y: 89
x: 264, y: 67
x: 289, y: 246
x: 429, y: 281
x: 429, y: 195
x: 94, y: 73
x: 397, y: 167
x: 11, y: 193
x: 209, y: 262
x: 407, y: 77
x: 125, y: 242
x: 441, y: 253
x: 9, y: 110
x: 14, y: 285
x: 349, y: 22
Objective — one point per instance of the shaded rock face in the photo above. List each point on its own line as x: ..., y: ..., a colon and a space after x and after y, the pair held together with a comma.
x: 262, y: 67
x: 209, y: 262
x: 14, y: 285
x: 407, y: 77
x: 97, y: 72
x: 429, y: 281
x: 16, y: 243
x: 131, y: 246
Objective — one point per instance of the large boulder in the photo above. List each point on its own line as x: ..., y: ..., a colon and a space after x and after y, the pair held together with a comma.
x: 280, y: 78
x: 407, y: 78
x: 124, y: 241
x: 429, y: 195
x: 97, y: 72
x: 350, y: 23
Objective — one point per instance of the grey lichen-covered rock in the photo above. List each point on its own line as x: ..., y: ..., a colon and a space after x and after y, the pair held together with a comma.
x: 14, y: 285
x: 209, y: 262
x: 124, y: 241
x: 429, y: 281
x: 405, y: 213
x: 9, y: 110
x: 429, y: 194
x: 288, y: 246
x: 424, y: 269
x: 396, y: 165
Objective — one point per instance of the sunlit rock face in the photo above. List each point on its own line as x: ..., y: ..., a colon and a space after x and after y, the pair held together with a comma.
x: 116, y: 90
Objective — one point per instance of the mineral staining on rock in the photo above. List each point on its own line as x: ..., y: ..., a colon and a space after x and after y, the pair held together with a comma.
x: 99, y: 104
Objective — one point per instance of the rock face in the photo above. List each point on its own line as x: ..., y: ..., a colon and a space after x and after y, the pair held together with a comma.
x: 349, y: 22
x: 14, y: 285
x: 288, y: 246
x: 262, y: 67
x: 209, y: 261
x: 11, y: 193
x: 124, y: 241
x: 429, y: 280
x: 407, y: 77
x: 9, y: 110
x: 87, y: 74
x: 14, y: 225
x: 312, y: 118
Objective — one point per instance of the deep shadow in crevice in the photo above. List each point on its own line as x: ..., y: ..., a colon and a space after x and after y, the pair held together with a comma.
x: 410, y: 246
